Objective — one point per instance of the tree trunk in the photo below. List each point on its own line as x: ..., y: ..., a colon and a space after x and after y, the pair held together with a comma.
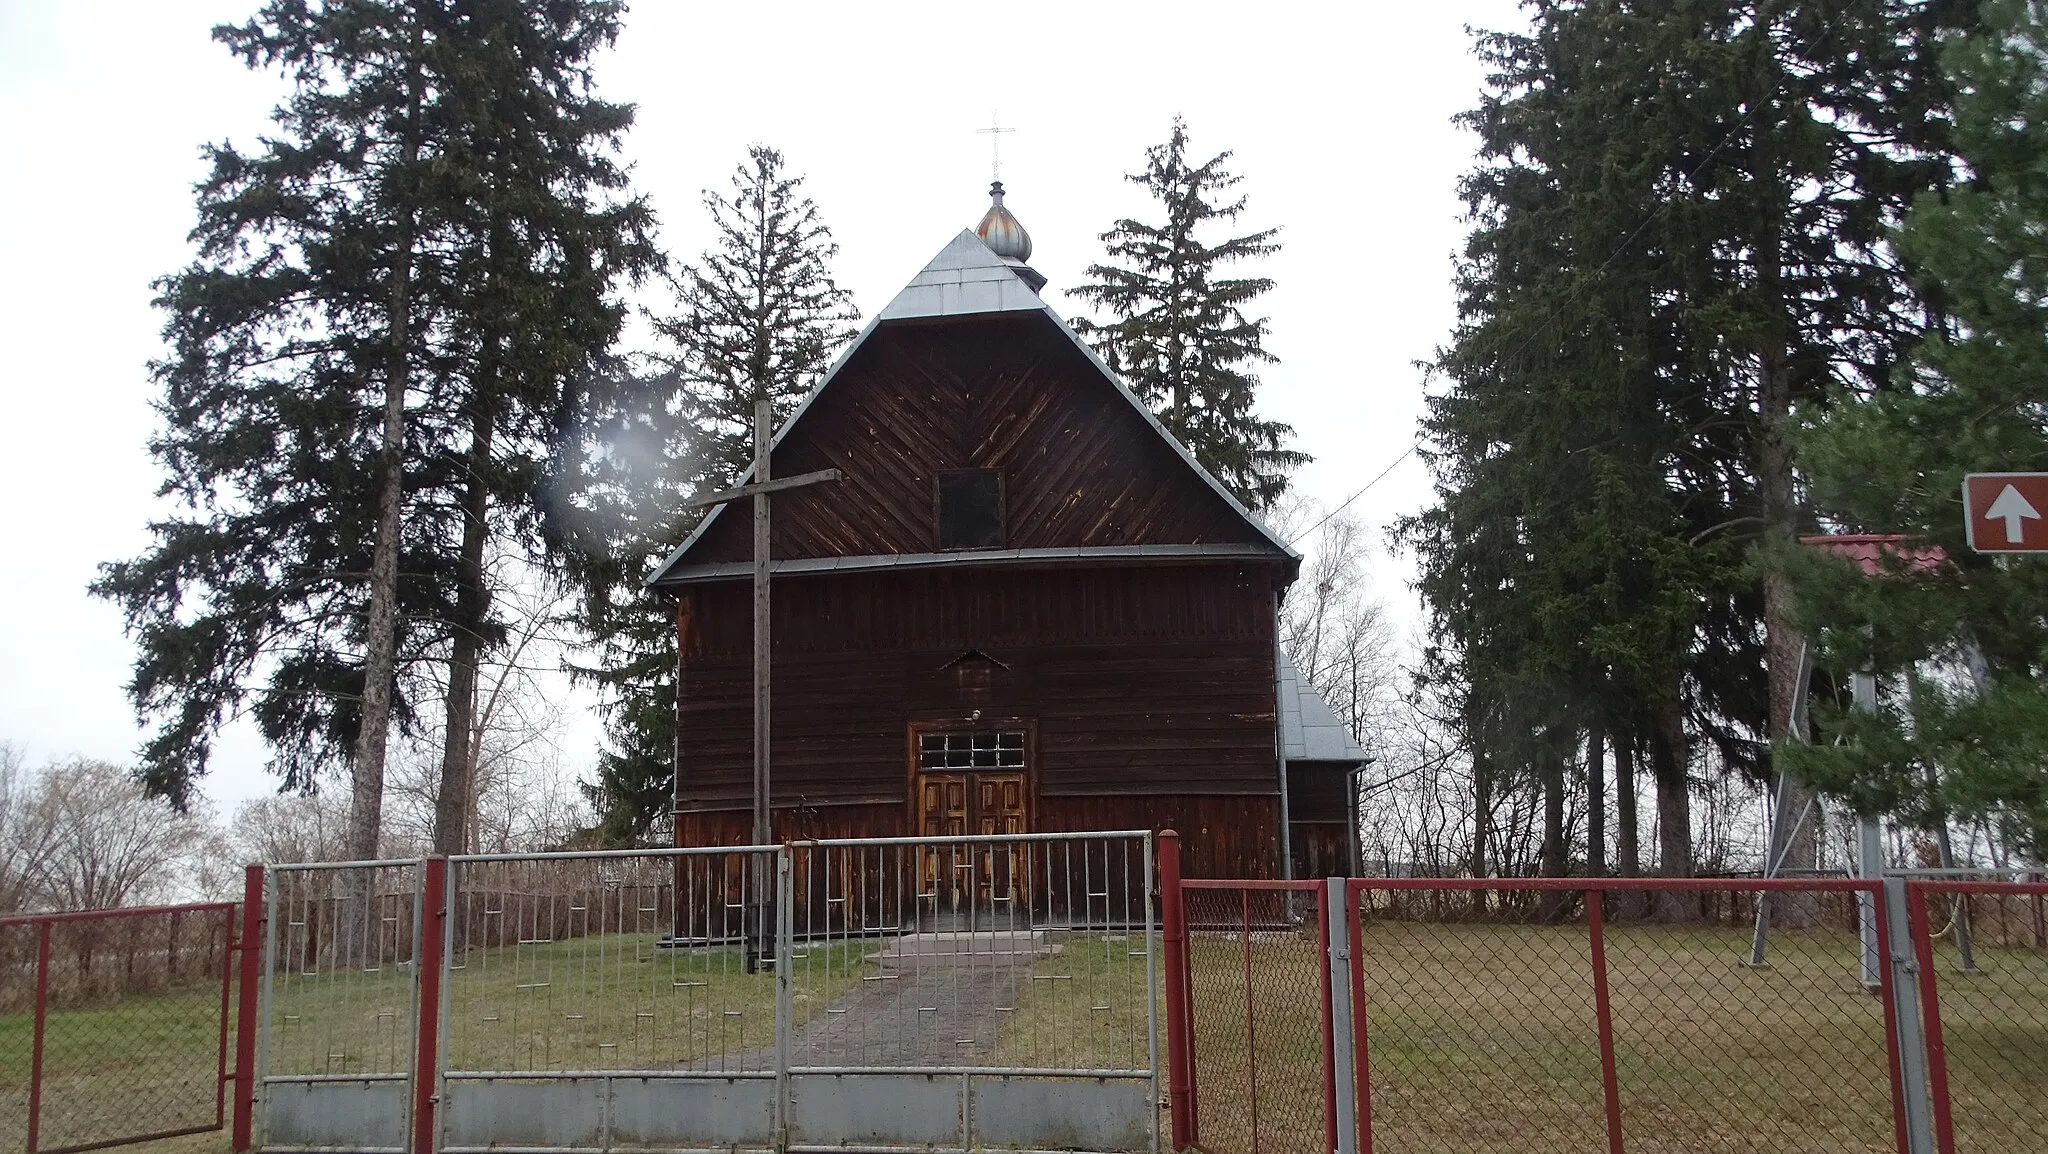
x: 1482, y: 817
x: 1627, y: 825
x: 455, y: 802
x: 1596, y: 804
x: 1778, y: 500
x: 1552, y: 860
x: 380, y: 642
x: 1668, y: 764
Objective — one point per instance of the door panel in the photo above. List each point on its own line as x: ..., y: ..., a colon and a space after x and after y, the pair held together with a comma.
x: 968, y: 800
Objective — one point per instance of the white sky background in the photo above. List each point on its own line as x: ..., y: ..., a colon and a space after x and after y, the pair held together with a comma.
x: 1339, y: 116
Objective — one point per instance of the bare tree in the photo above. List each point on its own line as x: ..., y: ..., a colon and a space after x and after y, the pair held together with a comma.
x: 108, y: 844
x: 24, y: 843
x: 289, y: 828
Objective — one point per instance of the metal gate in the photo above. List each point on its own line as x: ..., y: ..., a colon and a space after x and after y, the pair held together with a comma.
x: 880, y: 994
x: 131, y: 998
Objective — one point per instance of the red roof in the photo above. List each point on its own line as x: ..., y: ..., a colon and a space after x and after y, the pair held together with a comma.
x: 1866, y: 548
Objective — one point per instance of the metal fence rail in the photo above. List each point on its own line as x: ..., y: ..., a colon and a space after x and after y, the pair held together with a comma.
x: 113, y: 1025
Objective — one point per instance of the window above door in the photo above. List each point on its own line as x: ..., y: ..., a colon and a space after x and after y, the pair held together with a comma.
x: 987, y: 749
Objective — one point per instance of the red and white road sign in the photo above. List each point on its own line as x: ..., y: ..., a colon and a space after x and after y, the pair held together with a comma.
x: 2007, y: 512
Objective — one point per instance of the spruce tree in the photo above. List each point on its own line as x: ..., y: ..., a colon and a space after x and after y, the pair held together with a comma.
x: 1972, y: 401
x: 1678, y: 239
x: 1178, y: 333
x: 757, y: 316
x: 387, y: 300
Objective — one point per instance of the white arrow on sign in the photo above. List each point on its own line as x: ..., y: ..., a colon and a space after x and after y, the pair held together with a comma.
x: 2012, y: 508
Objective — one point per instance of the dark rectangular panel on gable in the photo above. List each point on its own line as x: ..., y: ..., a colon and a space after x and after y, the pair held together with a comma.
x: 970, y: 509
x: 1081, y: 467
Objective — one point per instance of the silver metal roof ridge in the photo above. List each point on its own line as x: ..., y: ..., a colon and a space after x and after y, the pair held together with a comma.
x: 732, y: 570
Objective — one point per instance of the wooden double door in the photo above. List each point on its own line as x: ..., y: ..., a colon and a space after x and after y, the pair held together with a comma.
x: 972, y: 784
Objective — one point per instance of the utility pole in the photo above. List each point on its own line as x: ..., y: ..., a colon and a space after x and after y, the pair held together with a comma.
x: 759, y: 908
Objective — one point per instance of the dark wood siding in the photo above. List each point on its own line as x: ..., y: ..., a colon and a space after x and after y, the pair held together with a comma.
x: 1080, y: 467
x: 1139, y: 679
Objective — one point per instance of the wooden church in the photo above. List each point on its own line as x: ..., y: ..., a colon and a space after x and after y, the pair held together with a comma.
x: 1023, y: 607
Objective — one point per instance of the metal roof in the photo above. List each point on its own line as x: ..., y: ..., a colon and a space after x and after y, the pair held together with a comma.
x: 966, y: 278
x: 1309, y: 729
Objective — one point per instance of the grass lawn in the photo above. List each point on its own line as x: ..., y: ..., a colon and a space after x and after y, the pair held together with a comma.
x: 144, y: 1064
x: 1083, y: 1008
x: 603, y: 1002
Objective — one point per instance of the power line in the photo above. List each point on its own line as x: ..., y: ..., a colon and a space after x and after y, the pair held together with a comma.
x: 1325, y: 518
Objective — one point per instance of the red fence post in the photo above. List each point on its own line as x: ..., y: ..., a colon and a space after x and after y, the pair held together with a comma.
x: 35, y: 1067
x: 426, y: 1066
x: 255, y: 923
x: 1251, y: 1032
x: 1603, y: 1010
x: 1180, y: 1065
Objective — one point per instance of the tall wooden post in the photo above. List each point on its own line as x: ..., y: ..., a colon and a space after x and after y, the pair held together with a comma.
x: 760, y: 917
x: 757, y: 911
x: 763, y: 418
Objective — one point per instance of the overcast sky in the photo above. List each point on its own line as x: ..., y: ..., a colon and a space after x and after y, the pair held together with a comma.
x: 1339, y: 115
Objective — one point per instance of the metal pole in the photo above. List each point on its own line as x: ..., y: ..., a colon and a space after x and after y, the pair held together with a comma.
x: 785, y: 1018
x: 1870, y: 849
x: 1337, y: 968
x: 758, y: 924
x: 1929, y: 995
x: 1603, y: 1013
x: 1325, y: 942
x: 1903, y: 998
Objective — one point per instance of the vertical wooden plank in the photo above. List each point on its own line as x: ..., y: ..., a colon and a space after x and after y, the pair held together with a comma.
x: 763, y: 419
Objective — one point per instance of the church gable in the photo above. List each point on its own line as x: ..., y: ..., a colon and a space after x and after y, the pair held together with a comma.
x: 965, y: 422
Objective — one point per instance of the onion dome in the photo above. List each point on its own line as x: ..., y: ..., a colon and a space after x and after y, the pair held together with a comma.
x: 1000, y: 231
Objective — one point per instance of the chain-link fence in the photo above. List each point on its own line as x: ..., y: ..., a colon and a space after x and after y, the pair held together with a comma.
x: 1983, y: 954
x: 1641, y: 1015
x: 113, y: 1026
x: 1258, y: 1016
x: 1512, y: 1016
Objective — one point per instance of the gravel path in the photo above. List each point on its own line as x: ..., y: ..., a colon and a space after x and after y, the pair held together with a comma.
x: 939, y: 999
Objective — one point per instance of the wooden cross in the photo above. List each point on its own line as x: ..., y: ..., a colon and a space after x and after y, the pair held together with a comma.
x: 759, y: 489
x: 994, y: 133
